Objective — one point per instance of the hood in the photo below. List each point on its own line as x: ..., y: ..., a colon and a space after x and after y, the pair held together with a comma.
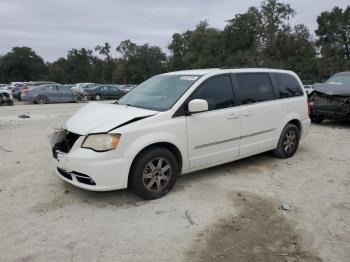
x: 332, y: 89
x: 100, y: 118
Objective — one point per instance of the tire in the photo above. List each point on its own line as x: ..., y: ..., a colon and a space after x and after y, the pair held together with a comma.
x: 146, y: 177
x: 79, y: 99
x: 288, y: 142
x: 316, y: 119
x: 40, y: 99
x: 97, y: 97
x: 10, y: 102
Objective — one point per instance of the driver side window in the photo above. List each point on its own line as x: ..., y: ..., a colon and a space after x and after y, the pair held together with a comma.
x: 217, y: 91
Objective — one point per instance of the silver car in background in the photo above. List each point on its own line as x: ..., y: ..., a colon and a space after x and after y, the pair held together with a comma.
x: 51, y: 93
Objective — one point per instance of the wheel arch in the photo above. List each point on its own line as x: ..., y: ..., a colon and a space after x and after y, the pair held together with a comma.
x: 297, y: 123
x: 167, y: 145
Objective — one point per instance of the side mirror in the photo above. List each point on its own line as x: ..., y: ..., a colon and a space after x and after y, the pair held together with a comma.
x: 197, y: 105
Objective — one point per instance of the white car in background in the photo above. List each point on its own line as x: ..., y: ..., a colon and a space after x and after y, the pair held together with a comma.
x: 180, y: 122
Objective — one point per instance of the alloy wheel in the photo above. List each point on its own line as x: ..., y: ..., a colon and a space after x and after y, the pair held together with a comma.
x: 289, y: 141
x: 157, y: 174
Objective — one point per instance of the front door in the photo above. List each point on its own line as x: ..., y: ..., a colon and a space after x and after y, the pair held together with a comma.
x: 213, y: 136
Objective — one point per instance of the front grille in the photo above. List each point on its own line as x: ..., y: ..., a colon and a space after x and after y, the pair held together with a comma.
x: 66, y: 145
x: 70, y: 140
x: 65, y: 174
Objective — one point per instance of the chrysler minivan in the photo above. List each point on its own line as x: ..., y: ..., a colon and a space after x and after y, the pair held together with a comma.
x: 180, y: 122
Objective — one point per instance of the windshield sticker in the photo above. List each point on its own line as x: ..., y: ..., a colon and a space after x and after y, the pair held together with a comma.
x: 189, y: 78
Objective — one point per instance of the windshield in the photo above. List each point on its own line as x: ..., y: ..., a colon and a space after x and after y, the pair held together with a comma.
x: 160, y: 92
x: 343, y: 79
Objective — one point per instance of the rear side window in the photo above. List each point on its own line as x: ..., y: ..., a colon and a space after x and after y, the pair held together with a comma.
x: 254, y: 87
x: 288, y: 85
x: 217, y: 91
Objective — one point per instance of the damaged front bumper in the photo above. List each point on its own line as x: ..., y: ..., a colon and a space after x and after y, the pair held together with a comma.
x: 325, y: 106
x: 85, y: 168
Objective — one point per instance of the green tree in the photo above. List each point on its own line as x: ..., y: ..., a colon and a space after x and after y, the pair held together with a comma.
x: 104, y: 67
x: 80, y: 66
x: 334, y: 41
x: 334, y: 31
x: 58, y: 71
x: 22, y: 64
x: 200, y: 48
x: 138, y: 62
x: 241, y: 39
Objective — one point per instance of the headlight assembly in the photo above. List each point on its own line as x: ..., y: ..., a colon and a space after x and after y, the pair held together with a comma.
x: 101, y: 142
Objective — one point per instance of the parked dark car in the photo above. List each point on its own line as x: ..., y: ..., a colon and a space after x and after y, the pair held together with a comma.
x: 102, y: 92
x: 331, y: 100
x: 51, y: 93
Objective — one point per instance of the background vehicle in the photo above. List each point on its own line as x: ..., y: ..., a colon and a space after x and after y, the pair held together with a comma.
x: 181, y: 122
x: 309, y: 89
x: 102, y: 92
x: 128, y: 88
x: 79, y: 87
x: 331, y: 100
x: 6, y: 97
x: 50, y: 93
x: 28, y: 85
x: 4, y: 87
x: 16, y: 88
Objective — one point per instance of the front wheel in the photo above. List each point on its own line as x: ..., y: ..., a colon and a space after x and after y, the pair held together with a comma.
x: 79, y: 99
x: 98, y: 97
x: 154, y: 173
x: 289, y: 142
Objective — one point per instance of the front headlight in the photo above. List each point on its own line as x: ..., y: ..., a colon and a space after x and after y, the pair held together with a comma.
x: 101, y: 142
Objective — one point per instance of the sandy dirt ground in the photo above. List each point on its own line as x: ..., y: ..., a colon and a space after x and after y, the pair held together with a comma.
x: 227, y: 213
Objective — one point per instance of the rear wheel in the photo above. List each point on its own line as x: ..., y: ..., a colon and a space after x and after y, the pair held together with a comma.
x: 288, y: 143
x: 41, y: 99
x: 154, y: 173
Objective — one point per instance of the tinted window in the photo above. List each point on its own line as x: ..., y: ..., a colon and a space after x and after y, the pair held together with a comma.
x: 254, y: 87
x: 217, y: 91
x: 288, y: 86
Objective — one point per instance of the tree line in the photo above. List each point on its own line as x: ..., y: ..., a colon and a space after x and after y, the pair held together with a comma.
x: 260, y: 37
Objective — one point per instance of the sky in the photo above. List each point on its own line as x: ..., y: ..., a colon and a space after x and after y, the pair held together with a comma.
x: 52, y: 27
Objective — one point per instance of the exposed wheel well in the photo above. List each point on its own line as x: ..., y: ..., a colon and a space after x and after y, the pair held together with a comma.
x: 296, y: 122
x: 172, y: 148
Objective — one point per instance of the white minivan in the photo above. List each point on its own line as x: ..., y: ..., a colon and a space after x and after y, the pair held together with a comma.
x: 180, y: 122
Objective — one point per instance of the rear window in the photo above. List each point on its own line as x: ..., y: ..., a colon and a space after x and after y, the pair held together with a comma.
x: 288, y: 85
x: 254, y: 87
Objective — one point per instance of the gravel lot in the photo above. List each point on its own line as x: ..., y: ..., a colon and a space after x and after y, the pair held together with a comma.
x: 226, y: 213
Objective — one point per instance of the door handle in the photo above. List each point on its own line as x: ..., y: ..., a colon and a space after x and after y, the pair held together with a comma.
x: 248, y: 113
x: 233, y: 116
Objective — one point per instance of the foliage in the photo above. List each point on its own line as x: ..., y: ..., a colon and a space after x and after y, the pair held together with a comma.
x: 334, y: 40
x: 21, y: 64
